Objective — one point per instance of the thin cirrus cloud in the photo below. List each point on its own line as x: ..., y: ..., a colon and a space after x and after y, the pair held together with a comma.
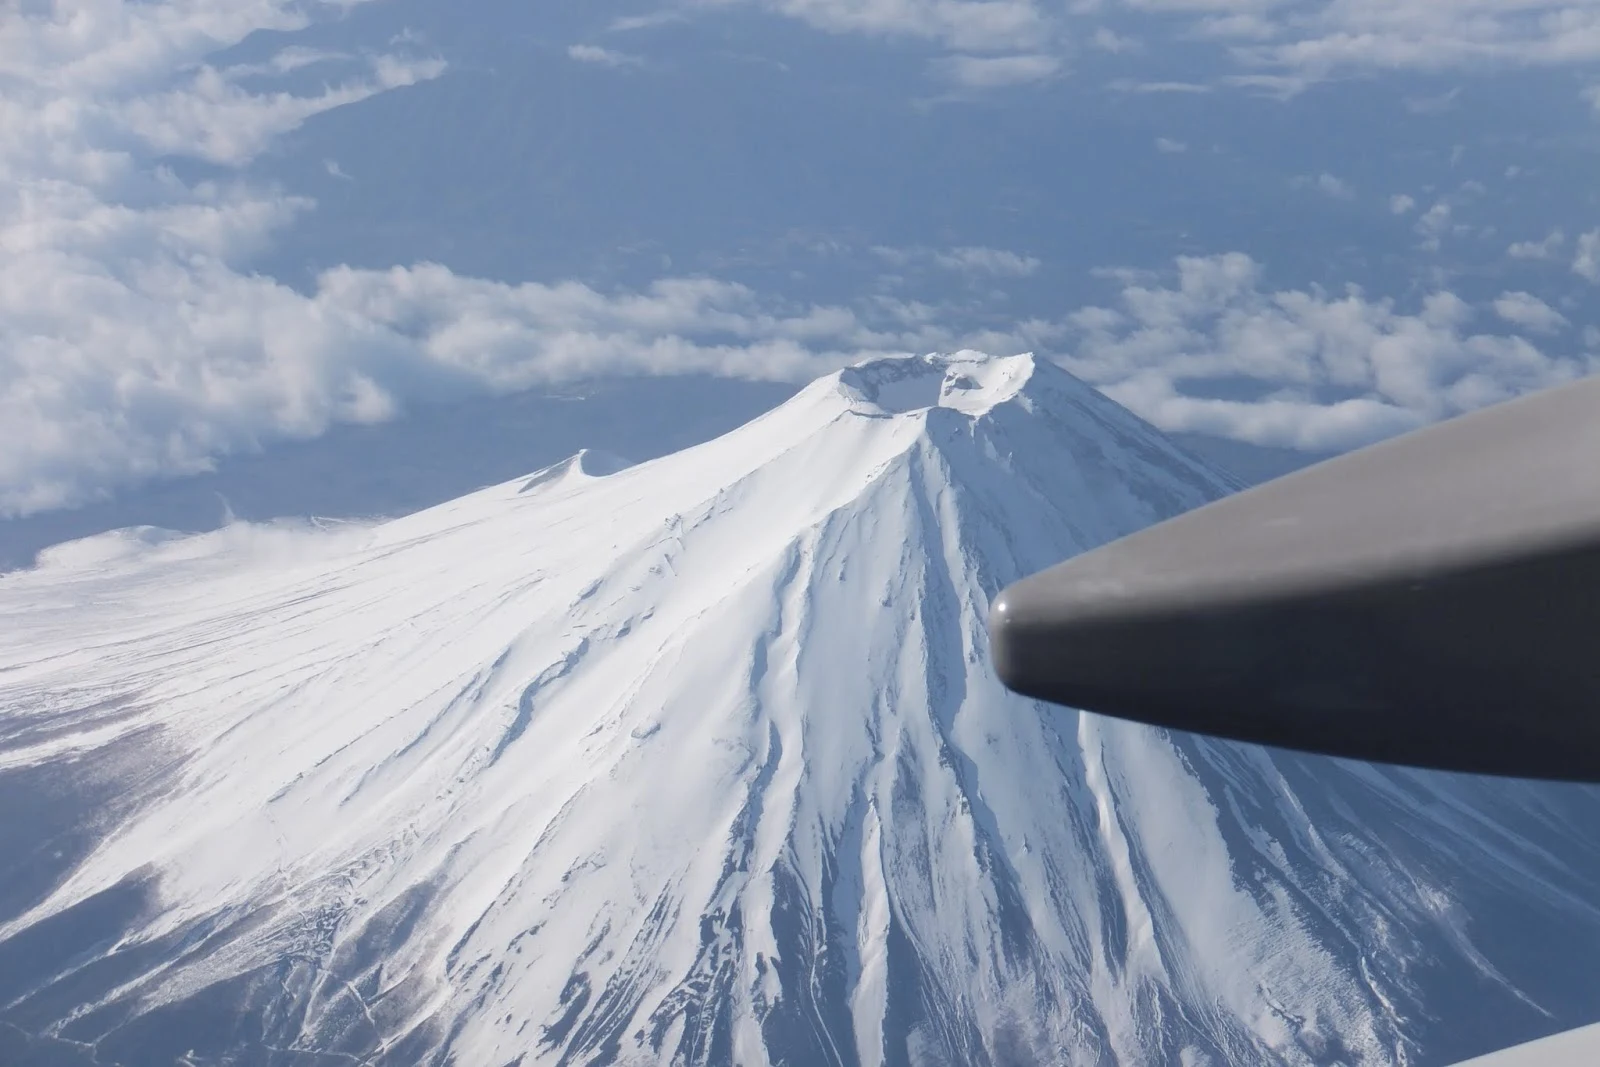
x: 974, y: 260
x: 960, y: 25
x: 1108, y: 40
x: 286, y: 61
x: 986, y: 44
x: 992, y: 72
x: 214, y: 118
x: 1316, y: 39
x: 1282, y: 45
x: 979, y: 260
x: 1129, y: 85
x: 604, y: 57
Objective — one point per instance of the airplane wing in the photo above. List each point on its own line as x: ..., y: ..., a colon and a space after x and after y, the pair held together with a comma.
x: 1433, y: 600
x: 1575, y: 1048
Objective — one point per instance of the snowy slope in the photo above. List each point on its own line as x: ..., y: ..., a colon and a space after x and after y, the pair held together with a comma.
x: 701, y: 761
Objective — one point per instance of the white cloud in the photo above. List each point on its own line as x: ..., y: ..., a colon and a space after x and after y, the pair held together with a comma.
x: 1340, y: 370
x: 181, y: 363
x: 1282, y: 45
x: 1545, y: 249
x: 969, y: 259
x: 1109, y: 41
x: 1278, y: 86
x: 650, y: 21
x: 978, y: 260
x: 132, y: 346
x: 285, y: 61
x: 1322, y: 38
x: 1586, y: 263
x: 1290, y: 43
x: 216, y: 119
x: 992, y: 72
x: 1529, y: 312
x: 1238, y: 26
x: 1592, y: 95
x: 604, y: 57
x: 120, y: 47
x: 1434, y: 224
x: 1169, y: 146
x: 1327, y: 184
x: 1433, y: 105
x: 896, y: 257
x: 962, y: 25
x: 1126, y: 85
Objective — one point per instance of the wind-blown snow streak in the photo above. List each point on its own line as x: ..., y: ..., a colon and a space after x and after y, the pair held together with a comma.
x: 701, y: 761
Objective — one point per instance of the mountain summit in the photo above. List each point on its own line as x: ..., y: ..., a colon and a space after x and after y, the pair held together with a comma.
x: 702, y: 761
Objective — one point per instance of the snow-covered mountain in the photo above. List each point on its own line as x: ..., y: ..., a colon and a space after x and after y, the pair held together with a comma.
x: 701, y: 761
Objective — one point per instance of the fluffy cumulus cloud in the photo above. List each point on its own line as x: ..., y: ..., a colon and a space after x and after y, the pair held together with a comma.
x: 1586, y: 263
x: 1327, y: 184
x: 1329, y: 370
x: 132, y: 344
x: 1547, y: 248
x: 1529, y: 312
x: 1437, y: 223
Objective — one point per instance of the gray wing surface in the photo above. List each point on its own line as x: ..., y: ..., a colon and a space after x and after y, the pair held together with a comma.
x: 1433, y: 600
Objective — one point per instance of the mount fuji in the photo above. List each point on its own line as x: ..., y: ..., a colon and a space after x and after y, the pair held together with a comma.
x: 702, y: 761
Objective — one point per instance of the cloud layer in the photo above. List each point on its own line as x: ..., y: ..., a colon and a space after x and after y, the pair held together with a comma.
x: 1319, y: 37
x: 130, y: 344
x: 133, y: 346
x: 961, y: 25
x: 1283, y: 45
x: 1329, y: 371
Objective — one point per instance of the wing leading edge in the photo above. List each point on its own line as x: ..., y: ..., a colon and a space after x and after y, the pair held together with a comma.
x: 1433, y: 600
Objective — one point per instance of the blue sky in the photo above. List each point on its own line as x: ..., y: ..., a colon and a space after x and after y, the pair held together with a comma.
x: 228, y: 225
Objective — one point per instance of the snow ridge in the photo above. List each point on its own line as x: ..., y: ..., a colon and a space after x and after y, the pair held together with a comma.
x: 701, y: 761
